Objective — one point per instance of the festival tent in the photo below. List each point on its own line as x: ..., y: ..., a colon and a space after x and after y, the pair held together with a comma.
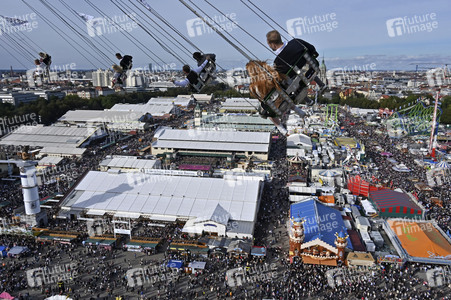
x: 321, y: 221
x: 389, y: 203
x: 421, y: 239
x: 360, y: 187
x: 321, y: 225
x: 58, y: 297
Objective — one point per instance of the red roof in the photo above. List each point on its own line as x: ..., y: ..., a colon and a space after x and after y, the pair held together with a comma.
x: 355, y: 240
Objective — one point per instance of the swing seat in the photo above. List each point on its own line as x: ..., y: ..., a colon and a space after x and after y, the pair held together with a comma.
x: 294, y: 90
x: 205, y: 76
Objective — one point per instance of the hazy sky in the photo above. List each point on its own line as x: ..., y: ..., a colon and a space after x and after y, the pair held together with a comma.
x: 361, y: 34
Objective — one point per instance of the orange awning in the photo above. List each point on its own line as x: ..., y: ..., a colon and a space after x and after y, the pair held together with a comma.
x: 327, y: 199
x: 421, y: 239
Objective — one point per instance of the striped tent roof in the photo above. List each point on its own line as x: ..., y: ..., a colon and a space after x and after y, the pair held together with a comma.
x: 443, y: 165
x: 389, y: 198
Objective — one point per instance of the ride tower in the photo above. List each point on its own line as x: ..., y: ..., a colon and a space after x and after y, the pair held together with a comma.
x: 296, y: 235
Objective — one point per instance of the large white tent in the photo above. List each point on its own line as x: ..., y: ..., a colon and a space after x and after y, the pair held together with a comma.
x: 168, y: 198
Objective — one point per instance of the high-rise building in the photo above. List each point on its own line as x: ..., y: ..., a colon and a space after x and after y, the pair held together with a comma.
x: 135, y: 79
x: 102, y: 78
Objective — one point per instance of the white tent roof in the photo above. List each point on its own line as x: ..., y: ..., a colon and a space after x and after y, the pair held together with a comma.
x: 302, y: 189
x: 48, y: 136
x: 296, y: 158
x: 62, y: 151
x: 50, y: 160
x: 213, y: 140
x: 129, y: 162
x: 218, y: 214
x: 165, y: 196
x: 180, y: 101
x: 101, y: 116
x: 155, y: 109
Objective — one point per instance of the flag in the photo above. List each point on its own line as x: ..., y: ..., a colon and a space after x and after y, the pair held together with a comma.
x: 88, y: 18
x: 85, y: 17
x: 14, y: 21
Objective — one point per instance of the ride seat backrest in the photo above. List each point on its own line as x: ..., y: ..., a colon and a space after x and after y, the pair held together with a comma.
x: 209, y: 69
x: 306, y: 65
x: 198, y: 86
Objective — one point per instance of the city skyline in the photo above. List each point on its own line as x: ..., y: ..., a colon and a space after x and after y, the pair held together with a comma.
x: 389, y: 36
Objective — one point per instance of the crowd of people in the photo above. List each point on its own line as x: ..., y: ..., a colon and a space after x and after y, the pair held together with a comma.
x: 377, y: 143
x: 102, y: 273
